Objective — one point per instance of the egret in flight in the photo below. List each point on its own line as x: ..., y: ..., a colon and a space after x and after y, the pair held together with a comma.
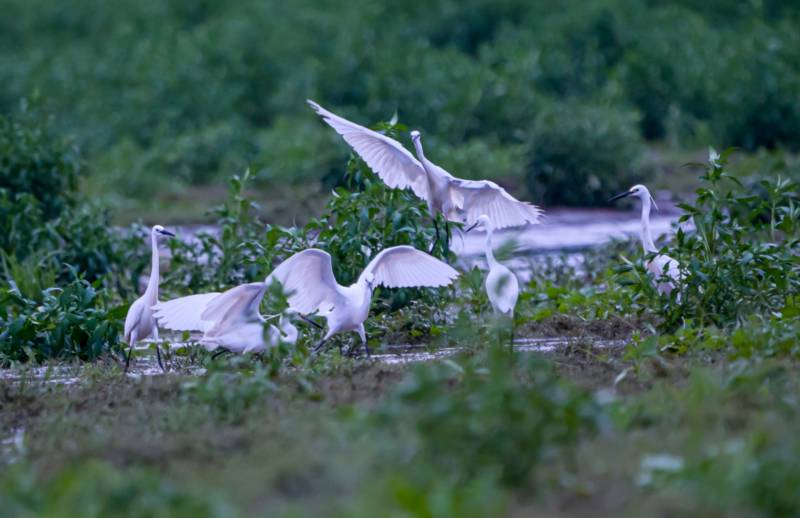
x: 502, y: 285
x: 308, y: 277
x: 661, y: 265
x: 229, y: 320
x: 456, y: 199
x: 139, y: 323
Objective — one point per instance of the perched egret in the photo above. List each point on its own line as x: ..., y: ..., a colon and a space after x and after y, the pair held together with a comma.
x: 139, y: 323
x: 456, y: 199
x: 502, y: 285
x: 308, y: 277
x: 229, y: 320
x: 661, y: 264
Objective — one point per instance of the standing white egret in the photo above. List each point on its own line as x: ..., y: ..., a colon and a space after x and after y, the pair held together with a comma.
x: 139, y: 323
x: 308, y: 277
x: 456, y: 199
x: 661, y: 264
x: 229, y: 320
x: 502, y: 285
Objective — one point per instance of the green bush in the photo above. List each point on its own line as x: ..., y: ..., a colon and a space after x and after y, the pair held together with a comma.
x: 742, y: 258
x: 498, y: 413
x: 69, y: 322
x: 33, y: 161
x: 582, y: 154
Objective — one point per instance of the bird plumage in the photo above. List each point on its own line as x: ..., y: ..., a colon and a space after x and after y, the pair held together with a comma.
x: 664, y: 269
x: 139, y: 322
x: 308, y: 279
x: 230, y: 319
x: 457, y: 199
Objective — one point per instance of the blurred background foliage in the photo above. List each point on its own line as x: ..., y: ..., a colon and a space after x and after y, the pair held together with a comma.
x: 166, y: 99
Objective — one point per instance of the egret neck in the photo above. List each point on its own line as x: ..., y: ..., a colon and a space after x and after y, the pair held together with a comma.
x: 647, y: 238
x: 151, y: 293
x: 490, y: 260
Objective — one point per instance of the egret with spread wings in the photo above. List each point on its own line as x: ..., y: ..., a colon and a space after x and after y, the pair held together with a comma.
x: 455, y: 198
x: 308, y: 278
x: 230, y: 320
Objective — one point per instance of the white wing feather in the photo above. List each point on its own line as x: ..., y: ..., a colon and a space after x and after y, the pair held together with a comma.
x: 183, y: 314
x: 476, y: 197
x: 307, y: 279
x: 393, y: 163
x: 405, y: 266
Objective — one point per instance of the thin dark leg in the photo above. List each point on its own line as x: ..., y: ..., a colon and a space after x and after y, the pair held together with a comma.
x: 309, y: 321
x: 319, y: 346
x: 436, y: 239
x: 366, y: 350
x: 128, y: 358
x: 219, y: 353
x: 158, y: 356
x: 448, y: 237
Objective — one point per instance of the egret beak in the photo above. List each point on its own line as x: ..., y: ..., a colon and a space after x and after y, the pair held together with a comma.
x: 167, y: 233
x: 472, y: 227
x: 619, y: 196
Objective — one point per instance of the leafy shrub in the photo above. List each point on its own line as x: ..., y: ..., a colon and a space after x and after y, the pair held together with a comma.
x: 69, y: 322
x: 505, y: 415
x: 742, y: 259
x: 33, y: 161
x: 581, y: 154
x: 95, y: 489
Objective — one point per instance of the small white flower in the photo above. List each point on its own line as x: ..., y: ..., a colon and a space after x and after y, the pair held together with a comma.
x: 713, y: 157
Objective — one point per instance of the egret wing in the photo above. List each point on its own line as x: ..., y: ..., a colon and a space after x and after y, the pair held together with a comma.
x: 184, y: 313
x: 235, y: 306
x: 307, y: 279
x: 405, y: 266
x: 393, y: 163
x: 476, y: 197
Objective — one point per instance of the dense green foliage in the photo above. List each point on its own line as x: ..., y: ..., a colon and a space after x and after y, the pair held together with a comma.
x: 161, y: 96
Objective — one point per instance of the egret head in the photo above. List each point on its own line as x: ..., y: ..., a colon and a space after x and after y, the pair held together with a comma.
x: 158, y: 230
x: 484, y: 221
x: 415, y: 136
x: 639, y: 191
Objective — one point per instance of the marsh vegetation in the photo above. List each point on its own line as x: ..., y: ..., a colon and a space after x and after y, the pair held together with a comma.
x: 159, y: 105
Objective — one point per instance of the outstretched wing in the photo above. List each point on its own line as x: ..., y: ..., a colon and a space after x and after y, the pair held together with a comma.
x: 184, y: 313
x: 235, y: 306
x: 307, y: 279
x: 393, y: 163
x: 476, y: 197
x: 405, y: 266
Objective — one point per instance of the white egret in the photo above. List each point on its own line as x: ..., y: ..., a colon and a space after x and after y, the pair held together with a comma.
x: 456, y: 199
x: 502, y: 286
x: 229, y: 320
x: 660, y: 265
x: 308, y: 277
x: 139, y: 323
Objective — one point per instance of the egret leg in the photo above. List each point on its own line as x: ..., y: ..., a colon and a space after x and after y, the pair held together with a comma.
x: 448, y: 237
x: 219, y: 353
x: 309, y: 321
x: 130, y: 350
x: 363, y: 335
x: 158, y: 350
x: 319, y: 346
x: 436, y: 239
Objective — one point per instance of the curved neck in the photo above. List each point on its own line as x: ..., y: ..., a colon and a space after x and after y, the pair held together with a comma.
x: 152, y: 284
x: 488, y: 248
x: 418, y: 148
x: 647, y: 238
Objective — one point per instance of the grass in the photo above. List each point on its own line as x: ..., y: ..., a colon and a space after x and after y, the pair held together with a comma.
x: 235, y: 441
